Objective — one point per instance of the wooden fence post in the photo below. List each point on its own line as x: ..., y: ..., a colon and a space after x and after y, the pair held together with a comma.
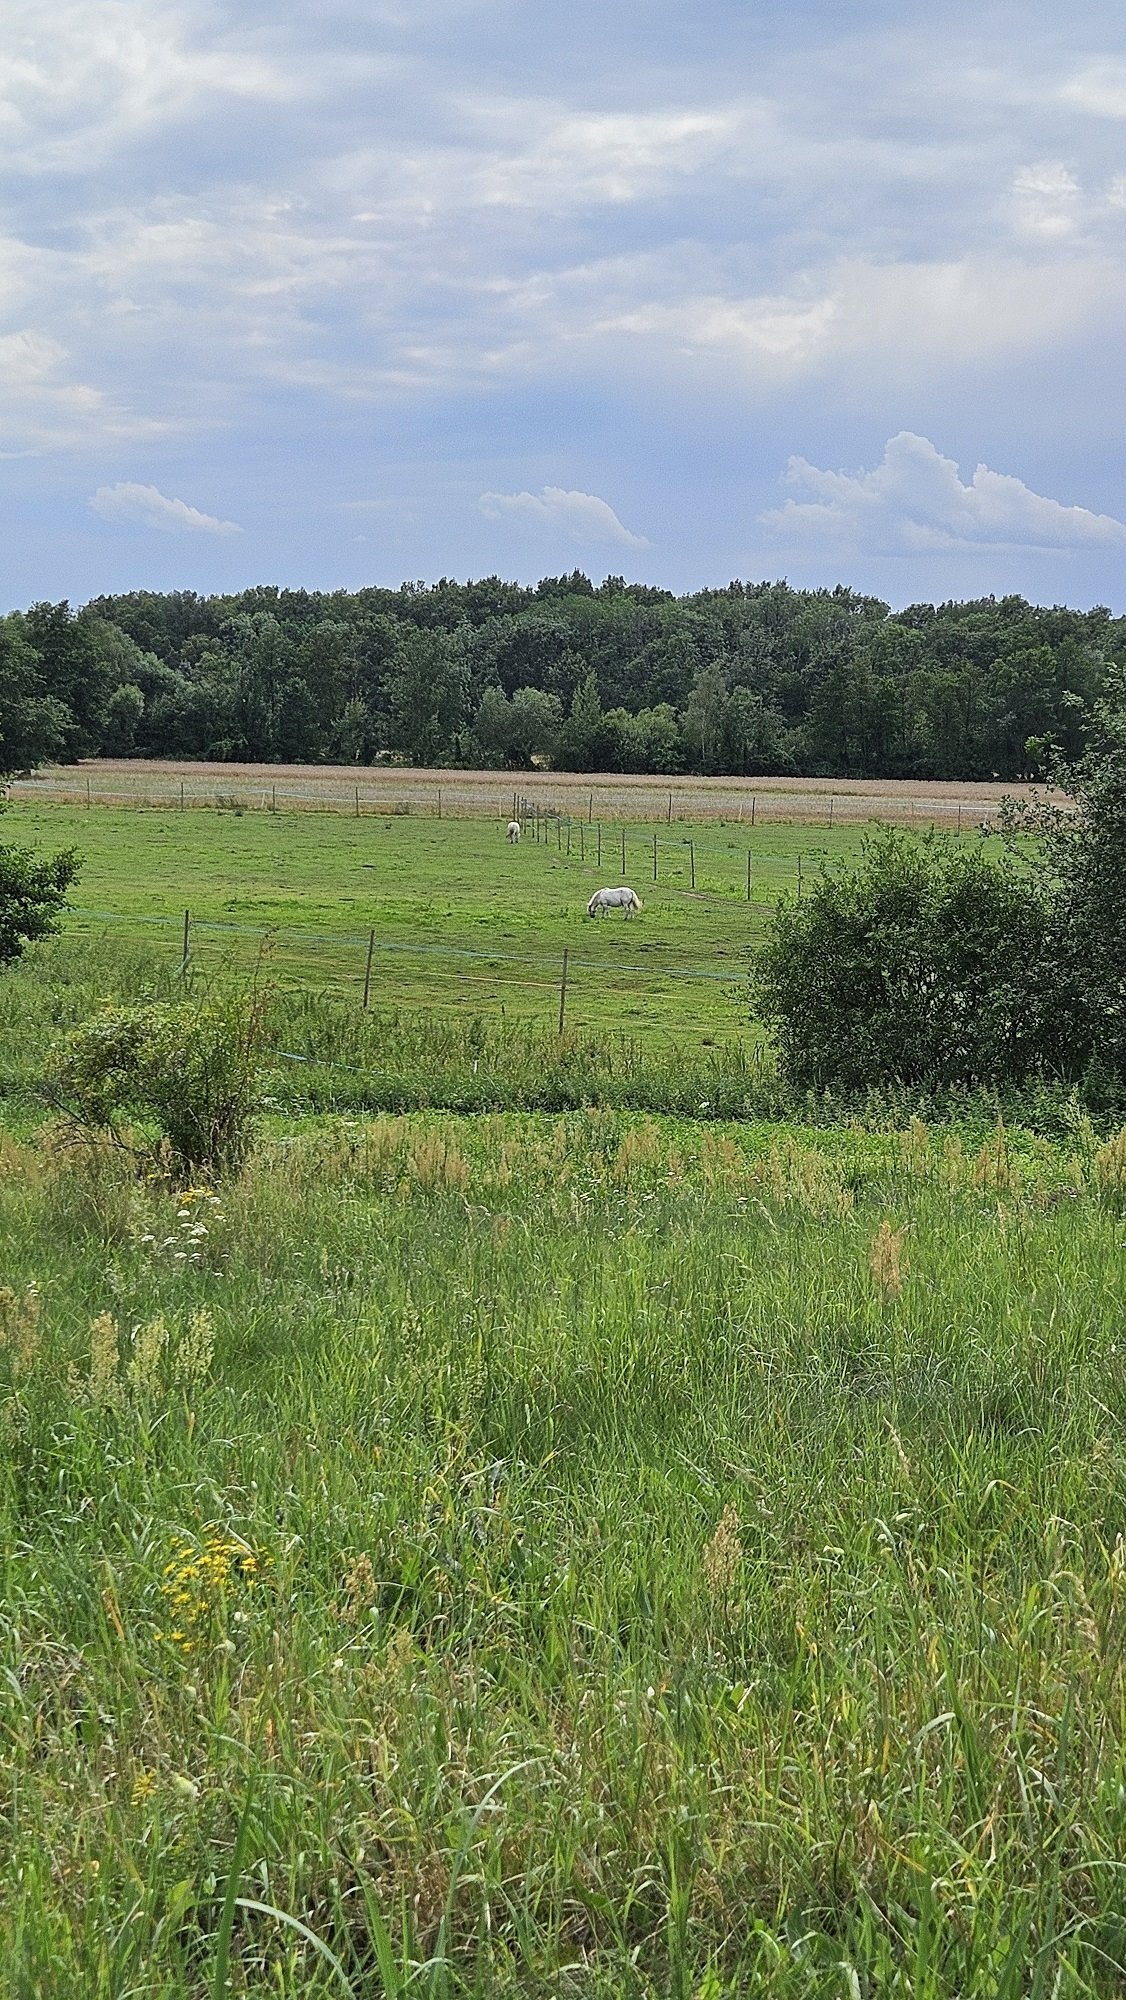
x: 748, y: 874
x: 623, y: 850
x: 691, y: 845
x: 600, y: 843
x: 563, y: 992
x: 752, y: 808
x: 186, y: 958
x: 799, y: 878
x: 669, y: 819
x: 654, y: 857
x: 367, y: 971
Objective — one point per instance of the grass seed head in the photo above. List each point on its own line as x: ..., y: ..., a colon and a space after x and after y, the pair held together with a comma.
x: 885, y: 1259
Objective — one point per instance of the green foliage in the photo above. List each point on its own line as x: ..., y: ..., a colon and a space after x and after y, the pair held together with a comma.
x: 1083, y: 856
x: 928, y: 964
x: 32, y: 894
x: 756, y: 677
x: 191, y: 1067
x: 34, y: 725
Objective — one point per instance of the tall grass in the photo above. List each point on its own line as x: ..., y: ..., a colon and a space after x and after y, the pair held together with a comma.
x: 565, y: 1555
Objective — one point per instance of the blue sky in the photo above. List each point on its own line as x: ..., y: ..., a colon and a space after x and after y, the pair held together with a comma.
x: 349, y: 292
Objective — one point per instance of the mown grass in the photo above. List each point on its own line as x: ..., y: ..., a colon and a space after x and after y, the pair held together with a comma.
x: 589, y: 1555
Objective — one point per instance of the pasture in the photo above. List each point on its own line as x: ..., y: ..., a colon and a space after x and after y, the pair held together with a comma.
x: 462, y: 920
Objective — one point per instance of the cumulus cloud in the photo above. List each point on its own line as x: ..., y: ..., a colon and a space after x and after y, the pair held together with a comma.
x: 915, y: 501
x: 148, y: 507
x: 582, y: 516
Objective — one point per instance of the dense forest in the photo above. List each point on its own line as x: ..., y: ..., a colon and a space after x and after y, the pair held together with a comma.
x: 756, y: 677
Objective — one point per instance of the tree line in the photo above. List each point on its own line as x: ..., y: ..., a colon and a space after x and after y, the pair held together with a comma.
x: 752, y: 678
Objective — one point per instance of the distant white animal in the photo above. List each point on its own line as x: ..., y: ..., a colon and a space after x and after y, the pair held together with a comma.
x: 614, y: 899
x: 513, y: 833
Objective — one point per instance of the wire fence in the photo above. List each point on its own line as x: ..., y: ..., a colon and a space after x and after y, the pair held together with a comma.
x: 369, y: 970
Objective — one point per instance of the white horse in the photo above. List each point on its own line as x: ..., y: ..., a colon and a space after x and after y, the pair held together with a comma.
x: 614, y: 899
x: 513, y: 833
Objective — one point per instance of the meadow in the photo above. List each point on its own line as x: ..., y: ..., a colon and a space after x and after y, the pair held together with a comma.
x: 461, y: 921
x: 581, y: 1550
x: 593, y: 1555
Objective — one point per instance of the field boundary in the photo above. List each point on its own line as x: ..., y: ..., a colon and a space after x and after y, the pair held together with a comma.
x: 571, y: 797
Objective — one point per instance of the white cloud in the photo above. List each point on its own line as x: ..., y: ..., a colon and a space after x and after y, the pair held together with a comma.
x: 605, y: 157
x: 1048, y: 199
x: 915, y: 501
x: 1100, y: 90
x: 582, y: 516
x: 83, y: 78
x: 148, y: 507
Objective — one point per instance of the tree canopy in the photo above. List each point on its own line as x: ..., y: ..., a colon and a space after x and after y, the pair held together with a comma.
x: 754, y: 677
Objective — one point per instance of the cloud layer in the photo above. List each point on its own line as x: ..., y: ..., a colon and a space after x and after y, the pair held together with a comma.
x: 915, y: 501
x: 147, y: 507
x: 309, y: 250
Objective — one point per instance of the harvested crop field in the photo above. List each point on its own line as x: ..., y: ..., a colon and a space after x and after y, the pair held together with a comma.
x: 495, y: 794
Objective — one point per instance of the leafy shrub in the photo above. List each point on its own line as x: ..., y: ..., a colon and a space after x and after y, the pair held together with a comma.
x: 928, y: 964
x: 32, y: 893
x: 190, y: 1067
x: 1082, y: 856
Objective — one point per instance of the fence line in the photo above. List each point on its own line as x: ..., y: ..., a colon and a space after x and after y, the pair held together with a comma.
x: 351, y: 963
x: 740, y: 805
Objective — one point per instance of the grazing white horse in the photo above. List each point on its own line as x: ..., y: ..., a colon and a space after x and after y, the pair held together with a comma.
x: 614, y: 899
x: 513, y: 833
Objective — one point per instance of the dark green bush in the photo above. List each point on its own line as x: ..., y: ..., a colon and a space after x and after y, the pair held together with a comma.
x: 929, y: 964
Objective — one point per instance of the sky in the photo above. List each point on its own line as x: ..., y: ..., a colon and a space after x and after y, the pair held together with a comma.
x: 327, y: 293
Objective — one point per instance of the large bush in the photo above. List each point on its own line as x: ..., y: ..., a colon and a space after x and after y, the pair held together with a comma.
x: 191, y: 1068
x: 32, y: 893
x: 928, y: 964
x: 1081, y: 849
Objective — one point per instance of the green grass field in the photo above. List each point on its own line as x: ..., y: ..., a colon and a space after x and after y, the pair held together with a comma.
x: 543, y: 1555
x: 587, y: 1556
x: 462, y: 921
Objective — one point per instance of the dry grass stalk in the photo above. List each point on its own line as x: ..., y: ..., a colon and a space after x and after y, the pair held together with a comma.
x: 885, y: 1259
x: 722, y: 1559
x: 19, y: 1328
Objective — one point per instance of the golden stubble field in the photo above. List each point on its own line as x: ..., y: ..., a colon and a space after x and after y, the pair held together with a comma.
x: 493, y: 794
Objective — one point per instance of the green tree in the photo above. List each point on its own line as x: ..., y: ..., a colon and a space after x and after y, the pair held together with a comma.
x: 124, y: 710
x: 427, y: 691
x: 34, y: 726
x: 1083, y: 845
x: 73, y: 670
